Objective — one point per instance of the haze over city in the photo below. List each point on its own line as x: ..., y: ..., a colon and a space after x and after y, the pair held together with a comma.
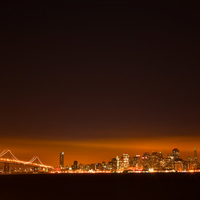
x: 99, y: 100
x: 96, y: 80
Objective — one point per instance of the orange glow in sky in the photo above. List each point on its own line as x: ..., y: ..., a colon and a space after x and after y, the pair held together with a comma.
x: 98, y: 150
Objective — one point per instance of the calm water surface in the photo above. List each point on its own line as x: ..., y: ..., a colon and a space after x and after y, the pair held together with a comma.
x: 100, y: 186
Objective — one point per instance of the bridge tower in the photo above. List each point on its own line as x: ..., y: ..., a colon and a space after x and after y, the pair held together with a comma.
x: 37, y: 161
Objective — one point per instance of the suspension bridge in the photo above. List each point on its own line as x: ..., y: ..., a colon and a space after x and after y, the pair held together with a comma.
x: 8, y: 158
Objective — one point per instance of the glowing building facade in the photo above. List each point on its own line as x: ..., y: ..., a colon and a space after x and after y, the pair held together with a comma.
x: 61, y: 160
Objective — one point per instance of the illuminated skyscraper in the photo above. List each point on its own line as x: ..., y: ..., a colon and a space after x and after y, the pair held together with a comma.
x: 195, y: 155
x: 178, y: 165
x: 135, y: 161
x: 117, y: 159
x: 115, y: 163
x: 61, y: 160
x: 125, y: 160
x: 175, y: 153
x: 154, y: 161
x: 104, y: 165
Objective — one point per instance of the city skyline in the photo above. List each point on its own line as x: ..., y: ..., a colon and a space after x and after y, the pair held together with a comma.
x: 147, y: 162
x: 95, y: 79
x: 98, y: 151
x: 99, y: 100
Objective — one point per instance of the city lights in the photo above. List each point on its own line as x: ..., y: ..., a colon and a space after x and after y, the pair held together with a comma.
x: 34, y: 165
x: 148, y: 163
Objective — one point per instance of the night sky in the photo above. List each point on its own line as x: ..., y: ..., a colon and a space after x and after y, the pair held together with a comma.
x: 86, y: 78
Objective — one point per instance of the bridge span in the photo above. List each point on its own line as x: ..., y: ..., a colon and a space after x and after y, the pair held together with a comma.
x: 8, y: 158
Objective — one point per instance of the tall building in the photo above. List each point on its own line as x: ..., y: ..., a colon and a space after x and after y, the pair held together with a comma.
x: 190, y: 165
x: 125, y: 160
x: 81, y: 166
x: 178, y: 165
x: 61, y: 160
x: 99, y: 166
x: 145, y: 163
x: 115, y: 163
x: 154, y: 161
x: 169, y: 162
x: 146, y: 155
x: 87, y: 167
x: 109, y: 165
x: 104, y: 165
x: 93, y: 167
x: 160, y: 155
x: 75, y: 166
x: 175, y: 153
x: 195, y: 155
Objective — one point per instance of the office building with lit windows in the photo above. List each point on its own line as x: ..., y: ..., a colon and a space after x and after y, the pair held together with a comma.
x: 61, y: 160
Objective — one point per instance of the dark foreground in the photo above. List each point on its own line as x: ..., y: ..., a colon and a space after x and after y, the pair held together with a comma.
x: 100, y: 186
